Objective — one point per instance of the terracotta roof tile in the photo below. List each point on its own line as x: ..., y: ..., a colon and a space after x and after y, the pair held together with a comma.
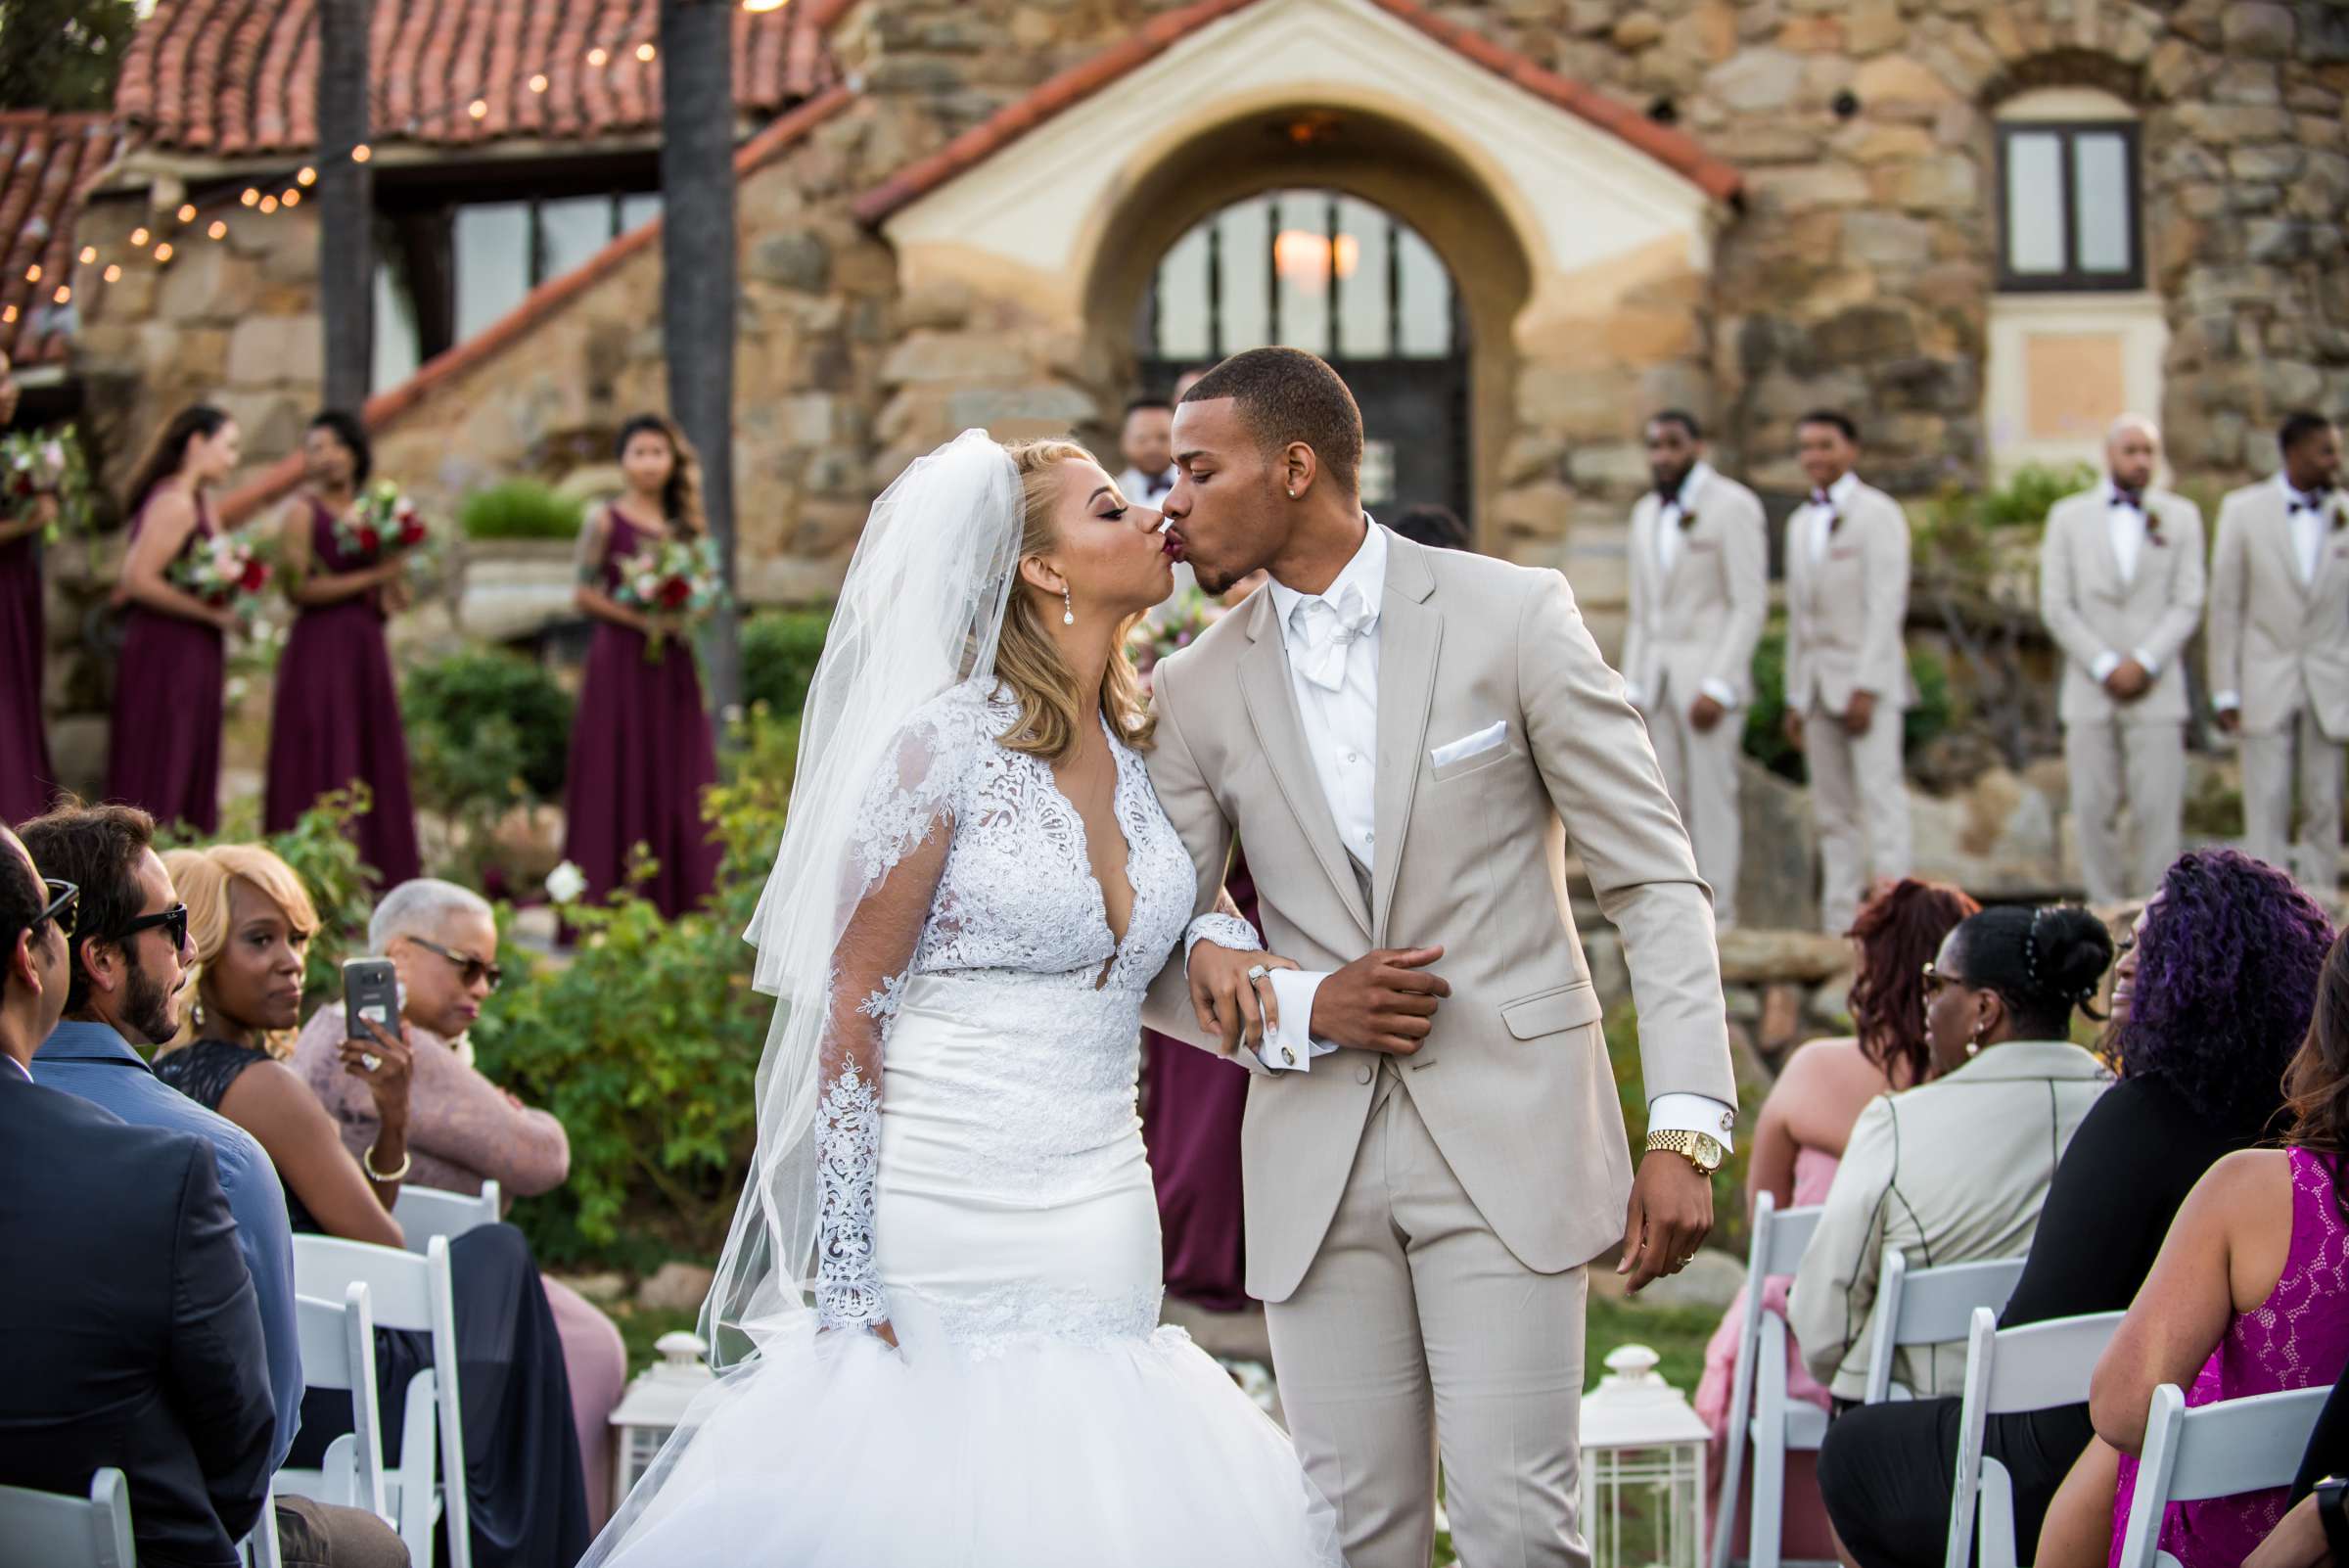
x: 235, y: 79
x: 1674, y: 149
x: 278, y: 480
x: 46, y: 163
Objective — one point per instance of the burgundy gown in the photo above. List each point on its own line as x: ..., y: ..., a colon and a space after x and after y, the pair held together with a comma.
x: 27, y: 776
x: 642, y: 755
x: 164, y: 747
x: 335, y: 716
x: 1192, y: 1102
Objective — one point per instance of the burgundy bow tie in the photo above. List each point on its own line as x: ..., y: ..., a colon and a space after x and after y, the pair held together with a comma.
x: 1819, y: 498
x: 2312, y: 501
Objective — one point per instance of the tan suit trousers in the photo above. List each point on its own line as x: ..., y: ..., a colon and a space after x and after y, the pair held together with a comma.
x: 1415, y: 1329
x: 1700, y: 770
x: 2109, y: 760
x: 2272, y: 763
x: 1860, y: 802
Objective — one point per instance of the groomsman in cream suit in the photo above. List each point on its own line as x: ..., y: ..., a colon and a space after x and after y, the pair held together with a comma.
x: 1405, y: 739
x: 1700, y: 591
x: 2279, y: 651
x: 2120, y: 588
x: 1847, y: 670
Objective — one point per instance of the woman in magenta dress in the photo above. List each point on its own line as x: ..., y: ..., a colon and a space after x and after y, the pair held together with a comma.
x: 641, y: 751
x: 336, y: 718
x: 27, y: 778
x: 163, y: 751
x: 2249, y: 1295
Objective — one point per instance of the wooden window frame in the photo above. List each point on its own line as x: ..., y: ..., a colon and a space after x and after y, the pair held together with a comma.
x: 2073, y: 278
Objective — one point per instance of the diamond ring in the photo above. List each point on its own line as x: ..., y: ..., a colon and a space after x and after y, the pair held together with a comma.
x: 1257, y: 972
x: 370, y: 1061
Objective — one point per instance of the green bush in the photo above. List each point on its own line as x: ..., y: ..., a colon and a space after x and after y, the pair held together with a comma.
x: 780, y: 652
x: 487, y: 732
x: 519, y: 509
x: 646, y: 1045
x: 1928, y: 717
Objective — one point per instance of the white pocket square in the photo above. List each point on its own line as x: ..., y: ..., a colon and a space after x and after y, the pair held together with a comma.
x: 1485, y: 739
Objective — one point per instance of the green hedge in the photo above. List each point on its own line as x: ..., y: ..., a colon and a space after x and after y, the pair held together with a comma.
x: 779, y: 653
x: 320, y: 849
x: 519, y: 509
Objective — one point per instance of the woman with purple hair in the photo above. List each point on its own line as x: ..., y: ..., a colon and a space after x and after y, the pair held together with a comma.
x: 2211, y: 996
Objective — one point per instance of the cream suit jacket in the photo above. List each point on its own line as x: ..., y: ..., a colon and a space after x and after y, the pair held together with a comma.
x: 2281, y: 643
x: 1845, y: 614
x: 2091, y: 611
x: 1700, y: 620
x: 1514, y: 1082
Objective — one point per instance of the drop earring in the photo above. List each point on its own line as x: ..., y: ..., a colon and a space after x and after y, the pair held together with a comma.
x: 1067, y: 610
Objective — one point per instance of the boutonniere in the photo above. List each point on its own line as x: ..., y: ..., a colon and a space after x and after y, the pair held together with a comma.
x: 2153, y: 534
x: 2337, y: 512
x: 1688, y: 520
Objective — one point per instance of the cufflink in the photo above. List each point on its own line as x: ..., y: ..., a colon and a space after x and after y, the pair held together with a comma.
x: 1728, y: 1122
x: 1288, y: 1055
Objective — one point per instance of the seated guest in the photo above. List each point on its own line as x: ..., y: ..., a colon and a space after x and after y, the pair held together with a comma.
x: 1804, y: 1125
x: 2210, y: 998
x: 463, y: 1130
x: 2315, y: 1532
x: 2249, y: 1295
x: 249, y: 920
x: 1439, y: 527
x: 1955, y: 1171
x: 133, y: 1334
x: 128, y: 966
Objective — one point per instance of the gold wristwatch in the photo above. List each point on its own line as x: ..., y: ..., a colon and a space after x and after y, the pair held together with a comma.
x: 1697, y: 1148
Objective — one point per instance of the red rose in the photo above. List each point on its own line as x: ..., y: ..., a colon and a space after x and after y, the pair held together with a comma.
x: 370, y: 541
x: 674, y: 592
x: 255, y: 573
x: 411, y: 528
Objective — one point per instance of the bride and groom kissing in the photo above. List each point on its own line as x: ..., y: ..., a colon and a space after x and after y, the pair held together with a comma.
x: 939, y: 1300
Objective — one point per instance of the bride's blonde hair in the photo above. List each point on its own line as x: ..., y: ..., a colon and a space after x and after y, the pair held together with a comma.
x: 1028, y: 661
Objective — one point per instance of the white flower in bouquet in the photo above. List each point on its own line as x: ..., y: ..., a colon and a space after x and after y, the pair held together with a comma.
x: 565, y: 883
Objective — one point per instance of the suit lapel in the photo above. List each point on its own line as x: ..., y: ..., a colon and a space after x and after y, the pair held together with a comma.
x: 2275, y: 522
x: 1410, y: 633
x: 2099, y: 550
x: 1271, y: 703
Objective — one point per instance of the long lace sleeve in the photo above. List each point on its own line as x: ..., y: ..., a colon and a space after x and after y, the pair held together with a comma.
x: 904, y: 834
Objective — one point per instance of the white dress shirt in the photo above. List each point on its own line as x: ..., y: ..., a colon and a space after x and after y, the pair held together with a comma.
x: 2126, y: 525
x: 1819, y: 520
x: 1146, y: 489
x: 1334, y: 634
x: 1680, y: 504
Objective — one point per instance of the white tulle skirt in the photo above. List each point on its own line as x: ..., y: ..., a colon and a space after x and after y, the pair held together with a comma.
x: 1035, y: 1417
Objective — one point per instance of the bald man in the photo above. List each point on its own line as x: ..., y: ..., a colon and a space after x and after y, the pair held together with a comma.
x: 2121, y: 588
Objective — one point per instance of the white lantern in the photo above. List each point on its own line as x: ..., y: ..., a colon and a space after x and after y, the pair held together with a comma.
x: 654, y: 1406
x: 1643, y: 1468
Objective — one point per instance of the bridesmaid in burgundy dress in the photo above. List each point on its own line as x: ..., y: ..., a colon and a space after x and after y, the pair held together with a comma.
x: 164, y: 752
x: 642, y: 750
x: 336, y: 718
x: 27, y: 778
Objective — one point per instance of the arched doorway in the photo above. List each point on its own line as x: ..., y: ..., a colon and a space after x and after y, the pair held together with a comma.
x: 1330, y: 273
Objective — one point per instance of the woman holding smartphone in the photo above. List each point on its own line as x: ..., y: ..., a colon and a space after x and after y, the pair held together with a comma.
x: 250, y: 921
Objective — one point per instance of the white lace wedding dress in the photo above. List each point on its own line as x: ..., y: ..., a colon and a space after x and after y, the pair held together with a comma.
x: 985, y: 1195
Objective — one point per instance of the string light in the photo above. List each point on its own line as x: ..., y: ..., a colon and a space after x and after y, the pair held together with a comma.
x: 163, y: 251
x: 113, y: 274
x: 65, y: 295
x: 762, y: 6
x: 268, y: 205
x: 306, y: 176
x: 32, y: 274
x: 598, y: 55
x: 251, y: 196
x: 479, y: 108
x: 645, y: 53
x: 291, y: 198
x: 186, y: 211
x: 89, y: 253
x: 138, y: 238
x: 539, y: 82
x: 218, y: 230
x: 360, y: 153
x: 7, y: 315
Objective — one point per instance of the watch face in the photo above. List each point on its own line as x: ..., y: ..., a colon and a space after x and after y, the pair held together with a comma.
x: 1709, y: 1152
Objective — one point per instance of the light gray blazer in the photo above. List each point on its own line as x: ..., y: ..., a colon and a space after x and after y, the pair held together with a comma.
x: 2090, y: 610
x: 2281, y: 643
x: 1700, y: 620
x: 1845, y: 614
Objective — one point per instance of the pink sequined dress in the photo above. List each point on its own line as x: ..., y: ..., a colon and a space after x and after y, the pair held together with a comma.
x: 2297, y: 1338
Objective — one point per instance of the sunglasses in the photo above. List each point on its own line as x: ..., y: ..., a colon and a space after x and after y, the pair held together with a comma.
x: 64, y: 903
x: 173, y: 922
x: 472, y: 971
x: 1936, y: 981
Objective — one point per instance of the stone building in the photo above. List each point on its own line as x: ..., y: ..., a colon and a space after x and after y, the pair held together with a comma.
x: 1984, y: 226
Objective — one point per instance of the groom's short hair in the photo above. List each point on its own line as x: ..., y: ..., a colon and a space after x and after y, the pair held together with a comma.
x: 1286, y: 394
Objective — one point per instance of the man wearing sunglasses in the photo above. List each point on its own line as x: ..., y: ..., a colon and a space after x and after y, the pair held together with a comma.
x: 128, y: 970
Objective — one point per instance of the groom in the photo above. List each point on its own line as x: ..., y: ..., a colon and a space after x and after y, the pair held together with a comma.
x: 1432, y: 1149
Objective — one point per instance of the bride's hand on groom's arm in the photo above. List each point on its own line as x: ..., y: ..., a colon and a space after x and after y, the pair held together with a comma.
x: 1229, y: 1000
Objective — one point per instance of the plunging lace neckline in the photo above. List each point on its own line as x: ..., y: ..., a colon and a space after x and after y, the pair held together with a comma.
x: 1083, y: 846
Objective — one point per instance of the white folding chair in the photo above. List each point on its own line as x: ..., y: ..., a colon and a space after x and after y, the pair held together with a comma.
x: 338, y: 1351
x: 424, y: 1212
x: 67, y: 1532
x: 1759, y: 1406
x: 2038, y: 1367
x: 260, y: 1549
x: 2214, y: 1450
x: 411, y: 1293
x: 1929, y: 1307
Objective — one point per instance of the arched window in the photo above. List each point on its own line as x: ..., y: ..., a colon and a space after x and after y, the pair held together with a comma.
x: 2068, y: 193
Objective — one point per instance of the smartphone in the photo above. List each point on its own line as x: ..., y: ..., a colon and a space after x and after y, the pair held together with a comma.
x: 370, y: 991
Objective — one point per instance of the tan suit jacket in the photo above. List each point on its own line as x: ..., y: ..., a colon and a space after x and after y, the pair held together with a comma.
x: 1700, y: 620
x: 1845, y: 614
x: 1514, y: 1083
x: 2091, y: 611
x: 2281, y: 643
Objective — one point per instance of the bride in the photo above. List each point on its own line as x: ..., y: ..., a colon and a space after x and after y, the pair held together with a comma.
x: 974, y: 891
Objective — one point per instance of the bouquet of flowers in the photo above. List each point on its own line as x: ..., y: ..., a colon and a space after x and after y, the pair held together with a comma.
x: 227, y: 571
x: 381, y: 522
x: 38, y: 463
x: 674, y: 582
x: 1174, y: 624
